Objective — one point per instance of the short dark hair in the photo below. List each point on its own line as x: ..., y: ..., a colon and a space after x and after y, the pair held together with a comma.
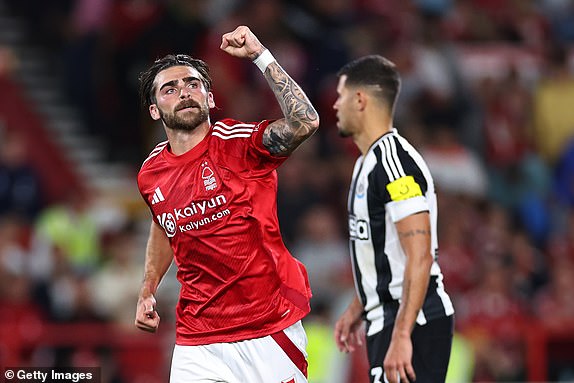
x: 374, y: 71
x: 147, y: 77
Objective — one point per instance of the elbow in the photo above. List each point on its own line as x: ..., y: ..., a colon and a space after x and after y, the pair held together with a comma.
x: 427, y: 261
x: 313, y: 125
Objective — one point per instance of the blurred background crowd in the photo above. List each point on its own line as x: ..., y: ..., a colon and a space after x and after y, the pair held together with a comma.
x: 487, y: 97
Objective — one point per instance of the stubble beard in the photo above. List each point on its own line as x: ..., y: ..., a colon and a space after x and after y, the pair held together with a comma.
x: 342, y: 131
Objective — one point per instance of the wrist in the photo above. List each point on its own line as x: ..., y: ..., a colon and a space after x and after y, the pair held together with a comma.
x: 263, y: 60
x: 147, y: 290
x: 400, y: 333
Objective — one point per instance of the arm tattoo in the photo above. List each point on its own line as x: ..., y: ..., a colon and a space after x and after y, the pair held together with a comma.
x: 301, y: 119
x: 412, y: 233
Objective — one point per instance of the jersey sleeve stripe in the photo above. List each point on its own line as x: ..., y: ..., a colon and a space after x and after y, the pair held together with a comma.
x: 395, y: 157
x: 237, y: 130
x: 388, y: 160
x: 233, y: 127
x: 158, y: 148
x: 227, y: 137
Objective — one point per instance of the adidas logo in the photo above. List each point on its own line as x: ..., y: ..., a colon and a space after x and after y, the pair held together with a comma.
x: 157, y: 196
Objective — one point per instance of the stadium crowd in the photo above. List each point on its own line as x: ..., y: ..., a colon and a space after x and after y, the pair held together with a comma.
x: 487, y: 96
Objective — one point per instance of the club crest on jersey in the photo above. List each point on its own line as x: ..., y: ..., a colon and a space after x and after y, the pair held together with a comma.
x: 209, y: 181
x: 360, y: 193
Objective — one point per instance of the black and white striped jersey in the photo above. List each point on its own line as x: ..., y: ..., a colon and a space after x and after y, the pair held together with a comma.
x: 389, y: 183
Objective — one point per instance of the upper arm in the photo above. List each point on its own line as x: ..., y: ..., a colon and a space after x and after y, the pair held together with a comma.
x: 158, y: 243
x: 415, y: 234
x: 281, y: 139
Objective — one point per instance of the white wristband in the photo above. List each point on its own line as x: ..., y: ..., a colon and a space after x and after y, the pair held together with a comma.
x: 263, y: 60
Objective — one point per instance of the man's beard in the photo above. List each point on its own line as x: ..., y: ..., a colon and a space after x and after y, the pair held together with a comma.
x: 177, y: 122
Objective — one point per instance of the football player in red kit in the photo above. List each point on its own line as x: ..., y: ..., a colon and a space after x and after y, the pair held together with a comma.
x: 211, y: 189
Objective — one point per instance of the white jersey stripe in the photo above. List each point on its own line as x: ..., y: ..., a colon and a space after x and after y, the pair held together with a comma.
x: 157, y: 150
x: 389, y: 158
x: 239, y: 135
x: 395, y: 158
x: 385, y: 164
x: 159, y: 194
x: 221, y: 124
x: 227, y: 131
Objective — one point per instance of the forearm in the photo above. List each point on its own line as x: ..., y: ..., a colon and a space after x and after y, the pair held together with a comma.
x: 158, y: 259
x: 356, y: 308
x: 301, y: 119
x: 414, y: 234
x: 415, y: 284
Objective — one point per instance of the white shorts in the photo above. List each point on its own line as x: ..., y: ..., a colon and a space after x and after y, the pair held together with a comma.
x: 277, y: 358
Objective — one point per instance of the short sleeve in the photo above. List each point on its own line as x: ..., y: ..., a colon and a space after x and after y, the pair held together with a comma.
x: 403, y: 208
x: 259, y: 150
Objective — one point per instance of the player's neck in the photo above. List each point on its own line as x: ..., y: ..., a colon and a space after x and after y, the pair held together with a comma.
x: 181, y: 141
x: 372, y: 130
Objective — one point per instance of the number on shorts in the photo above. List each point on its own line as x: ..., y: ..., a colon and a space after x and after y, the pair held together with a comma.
x: 377, y: 372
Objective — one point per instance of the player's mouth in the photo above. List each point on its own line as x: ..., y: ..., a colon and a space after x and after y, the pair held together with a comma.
x: 186, y: 106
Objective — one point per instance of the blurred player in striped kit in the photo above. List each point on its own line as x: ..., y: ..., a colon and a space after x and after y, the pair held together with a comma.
x: 392, y: 209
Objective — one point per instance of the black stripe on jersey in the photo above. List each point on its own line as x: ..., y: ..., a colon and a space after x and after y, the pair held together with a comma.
x: 353, y: 249
x: 390, y: 311
x: 378, y: 227
x: 410, y: 167
x: 433, y: 306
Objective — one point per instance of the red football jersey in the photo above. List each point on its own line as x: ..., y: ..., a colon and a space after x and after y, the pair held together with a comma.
x: 217, y: 205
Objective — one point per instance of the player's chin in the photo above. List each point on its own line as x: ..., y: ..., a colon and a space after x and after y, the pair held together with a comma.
x: 343, y: 132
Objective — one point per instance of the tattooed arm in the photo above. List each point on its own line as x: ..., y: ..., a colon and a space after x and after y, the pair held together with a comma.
x: 415, y: 236
x: 301, y: 120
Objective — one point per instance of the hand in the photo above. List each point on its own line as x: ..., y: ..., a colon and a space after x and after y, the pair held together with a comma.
x: 147, y: 319
x: 242, y: 43
x: 398, y: 359
x: 348, y: 331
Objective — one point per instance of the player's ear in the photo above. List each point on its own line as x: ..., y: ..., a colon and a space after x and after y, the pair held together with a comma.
x: 154, y: 112
x: 360, y: 100
x: 210, y: 100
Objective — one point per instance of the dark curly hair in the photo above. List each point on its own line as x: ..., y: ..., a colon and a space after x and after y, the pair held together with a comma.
x: 147, y: 77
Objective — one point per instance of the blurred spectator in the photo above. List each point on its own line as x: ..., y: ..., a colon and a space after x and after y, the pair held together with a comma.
x: 560, y: 14
x: 326, y: 363
x: 115, y: 285
x: 553, y: 100
x: 554, y: 305
x: 529, y: 267
x: 69, y: 230
x: 491, y: 317
x: 455, y: 168
x: 321, y: 246
x: 456, y: 253
x: 20, y: 184
x: 8, y: 61
x: 564, y: 176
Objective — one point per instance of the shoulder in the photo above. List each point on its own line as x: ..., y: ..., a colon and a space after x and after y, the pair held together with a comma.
x: 154, y: 153
x: 393, y: 150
